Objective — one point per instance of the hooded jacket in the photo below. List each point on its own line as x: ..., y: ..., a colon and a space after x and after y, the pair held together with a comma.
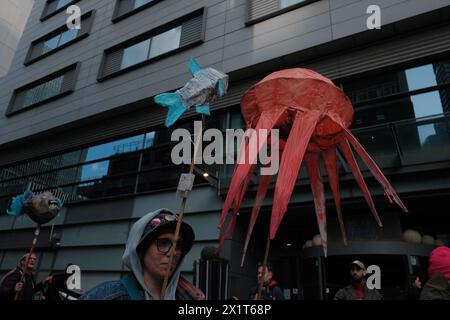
x: 178, y: 288
x: 437, y: 288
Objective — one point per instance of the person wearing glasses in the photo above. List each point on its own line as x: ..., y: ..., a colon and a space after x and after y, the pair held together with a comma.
x: 147, y: 254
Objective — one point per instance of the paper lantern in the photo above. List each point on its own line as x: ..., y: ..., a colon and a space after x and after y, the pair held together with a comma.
x: 412, y: 236
x: 427, y: 239
x: 316, y: 240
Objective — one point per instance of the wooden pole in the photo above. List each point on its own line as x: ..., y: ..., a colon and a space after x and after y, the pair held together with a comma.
x: 25, y: 269
x: 264, y: 267
x: 181, y: 213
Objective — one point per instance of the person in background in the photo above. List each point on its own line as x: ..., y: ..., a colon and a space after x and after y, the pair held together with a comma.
x: 270, y: 290
x: 11, y: 283
x: 438, y: 285
x: 413, y: 288
x: 357, y: 290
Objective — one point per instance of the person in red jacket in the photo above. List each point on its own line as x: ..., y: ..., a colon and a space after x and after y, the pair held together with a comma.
x: 271, y: 290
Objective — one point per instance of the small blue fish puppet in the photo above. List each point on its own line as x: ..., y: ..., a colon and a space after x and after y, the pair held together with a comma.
x: 41, y: 207
x: 203, y: 89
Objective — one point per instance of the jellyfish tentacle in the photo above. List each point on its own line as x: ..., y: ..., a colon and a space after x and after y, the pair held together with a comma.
x: 260, y: 195
x: 294, y: 151
x: 312, y: 163
x: 330, y: 160
x: 350, y: 158
x: 266, y: 121
x: 237, y: 203
x: 372, y: 166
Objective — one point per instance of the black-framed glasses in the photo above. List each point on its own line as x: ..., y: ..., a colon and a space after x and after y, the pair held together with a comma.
x: 165, y: 244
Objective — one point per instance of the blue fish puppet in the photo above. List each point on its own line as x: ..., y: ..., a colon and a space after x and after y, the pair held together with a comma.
x: 203, y: 89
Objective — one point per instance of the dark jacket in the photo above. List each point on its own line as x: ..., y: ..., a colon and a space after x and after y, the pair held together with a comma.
x: 437, y: 288
x: 411, y: 294
x: 9, y: 281
x: 270, y: 292
x: 348, y: 293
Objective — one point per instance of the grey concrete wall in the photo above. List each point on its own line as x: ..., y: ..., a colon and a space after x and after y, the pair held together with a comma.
x: 13, y: 17
x: 229, y: 46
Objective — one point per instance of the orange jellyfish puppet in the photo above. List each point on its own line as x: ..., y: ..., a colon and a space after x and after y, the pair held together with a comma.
x: 313, y: 116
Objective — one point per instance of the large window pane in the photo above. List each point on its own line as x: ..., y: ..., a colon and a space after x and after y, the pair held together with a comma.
x: 68, y: 36
x: 164, y: 179
x: 51, y: 44
x: 157, y: 158
x: 393, y: 82
x: 425, y: 140
x: 427, y: 104
x: 43, y: 91
x: 165, y: 42
x: 416, y: 106
x: 135, y: 54
x: 420, y: 77
x: 115, y: 147
x: 106, y: 188
x: 374, y: 87
x: 94, y: 170
x: 149, y: 139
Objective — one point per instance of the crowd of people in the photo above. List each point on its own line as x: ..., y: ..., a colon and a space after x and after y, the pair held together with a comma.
x: 147, y: 256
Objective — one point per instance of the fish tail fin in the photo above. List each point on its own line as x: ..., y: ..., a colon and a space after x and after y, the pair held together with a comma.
x: 204, y: 109
x: 174, y: 104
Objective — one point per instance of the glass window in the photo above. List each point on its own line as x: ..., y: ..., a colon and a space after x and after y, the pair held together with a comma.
x: 149, y: 139
x: 43, y: 91
x: 51, y: 44
x: 106, y: 187
x: 94, y: 170
x: 420, y: 77
x: 427, y: 104
x: 287, y: 3
x: 135, y: 54
x: 410, y: 107
x: 116, y: 147
x: 62, y: 3
x: 139, y: 3
x: 68, y: 36
x: 165, y: 42
x: 157, y: 158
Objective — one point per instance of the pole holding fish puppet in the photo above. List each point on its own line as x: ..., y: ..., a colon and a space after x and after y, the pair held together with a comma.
x: 41, y: 208
x: 203, y: 89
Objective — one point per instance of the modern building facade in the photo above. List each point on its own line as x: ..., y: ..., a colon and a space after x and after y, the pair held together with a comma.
x: 13, y: 17
x: 77, y: 116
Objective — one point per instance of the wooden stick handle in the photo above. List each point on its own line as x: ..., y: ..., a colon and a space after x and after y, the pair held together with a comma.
x: 25, y: 271
x: 180, y: 216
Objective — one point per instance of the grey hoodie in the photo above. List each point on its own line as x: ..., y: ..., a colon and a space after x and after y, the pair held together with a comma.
x: 131, y: 259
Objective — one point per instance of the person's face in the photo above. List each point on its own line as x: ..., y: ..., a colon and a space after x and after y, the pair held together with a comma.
x: 417, y: 283
x: 267, y: 276
x: 31, y: 262
x: 156, y: 257
x: 357, y: 273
